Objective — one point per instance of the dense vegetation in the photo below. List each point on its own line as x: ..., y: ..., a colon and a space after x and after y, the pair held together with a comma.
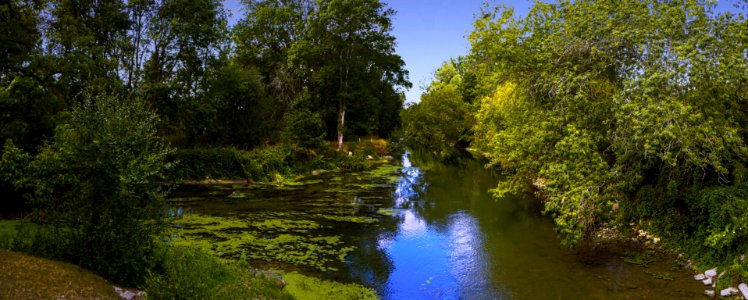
x: 103, y: 103
x: 615, y: 113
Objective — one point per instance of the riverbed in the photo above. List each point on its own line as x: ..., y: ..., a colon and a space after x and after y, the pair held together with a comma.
x: 416, y: 230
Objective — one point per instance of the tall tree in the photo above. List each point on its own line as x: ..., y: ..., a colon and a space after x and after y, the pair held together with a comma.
x: 350, y: 49
x: 185, y: 37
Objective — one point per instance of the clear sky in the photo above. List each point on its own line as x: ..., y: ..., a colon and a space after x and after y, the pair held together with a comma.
x: 429, y: 32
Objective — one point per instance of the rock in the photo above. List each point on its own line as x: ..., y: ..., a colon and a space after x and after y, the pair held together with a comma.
x: 699, y: 277
x: 711, y: 273
x: 129, y: 294
x: 743, y: 290
x: 709, y: 293
x: 728, y: 292
x: 707, y: 281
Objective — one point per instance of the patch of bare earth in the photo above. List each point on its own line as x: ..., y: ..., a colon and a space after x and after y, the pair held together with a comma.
x: 27, y: 277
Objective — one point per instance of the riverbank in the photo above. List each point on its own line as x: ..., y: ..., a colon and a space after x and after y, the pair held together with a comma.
x: 181, y: 266
x: 276, y: 163
x: 187, y: 272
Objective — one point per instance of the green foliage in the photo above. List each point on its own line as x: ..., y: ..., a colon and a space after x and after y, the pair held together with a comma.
x: 442, y: 119
x: 98, y: 186
x: 610, y: 111
x: 190, y: 273
x: 719, y: 216
x: 304, y: 128
x: 213, y: 163
x: 305, y: 287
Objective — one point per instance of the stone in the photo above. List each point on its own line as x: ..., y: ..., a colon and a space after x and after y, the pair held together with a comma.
x: 711, y: 273
x: 728, y: 292
x: 743, y: 290
x: 709, y: 293
x: 707, y: 281
x: 699, y: 277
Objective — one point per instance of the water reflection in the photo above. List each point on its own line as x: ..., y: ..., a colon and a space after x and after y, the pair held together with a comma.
x: 443, y: 261
x: 448, y: 238
x: 451, y: 240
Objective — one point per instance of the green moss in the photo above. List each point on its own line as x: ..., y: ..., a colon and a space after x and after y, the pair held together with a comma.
x: 638, y: 258
x: 186, y: 199
x: 661, y: 275
x: 286, y: 225
x: 239, y: 195
x: 276, y: 240
x: 387, y: 171
x: 209, y: 223
x: 349, y: 219
x: 386, y: 211
x: 305, y: 287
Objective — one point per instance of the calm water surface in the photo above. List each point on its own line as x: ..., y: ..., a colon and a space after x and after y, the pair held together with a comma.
x: 440, y: 235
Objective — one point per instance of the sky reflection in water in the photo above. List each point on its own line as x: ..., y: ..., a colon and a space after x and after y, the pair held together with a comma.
x: 432, y: 262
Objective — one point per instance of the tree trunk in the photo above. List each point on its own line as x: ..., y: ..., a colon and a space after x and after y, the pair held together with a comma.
x: 341, y: 123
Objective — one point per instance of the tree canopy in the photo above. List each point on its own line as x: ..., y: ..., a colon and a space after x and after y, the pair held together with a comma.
x: 612, y: 112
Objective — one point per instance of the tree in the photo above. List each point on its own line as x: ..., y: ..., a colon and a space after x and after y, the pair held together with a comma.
x: 186, y: 40
x: 588, y: 103
x: 441, y: 120
x: 98, y: 188
x: 349, y: 50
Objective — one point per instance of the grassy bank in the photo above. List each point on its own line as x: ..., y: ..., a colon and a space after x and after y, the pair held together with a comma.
x: 187, y: 272
x: 272, y: 163
x: 184, y: 273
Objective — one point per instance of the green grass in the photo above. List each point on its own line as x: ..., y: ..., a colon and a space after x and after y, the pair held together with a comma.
x: 191, y: 273
x: 304, y: 287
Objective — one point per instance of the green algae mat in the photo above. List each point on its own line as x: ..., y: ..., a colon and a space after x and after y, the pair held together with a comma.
x: 299, y: 224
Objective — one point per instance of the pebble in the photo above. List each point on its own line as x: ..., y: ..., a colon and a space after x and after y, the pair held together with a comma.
x: 711, y: 273
x: 728, y: 291
x: 707, y: 281
x: 709, y: 293
x: 699, y: 277
x: 743, y: 289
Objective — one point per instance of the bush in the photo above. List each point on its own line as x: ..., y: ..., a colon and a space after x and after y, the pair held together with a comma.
x: 305, y: 129
x: 190, y: 273
x: 231, y: 163
x: 97, y: 189
x: 213, y: 163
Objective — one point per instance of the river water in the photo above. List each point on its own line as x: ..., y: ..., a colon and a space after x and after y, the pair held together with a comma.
x: 422, y: 231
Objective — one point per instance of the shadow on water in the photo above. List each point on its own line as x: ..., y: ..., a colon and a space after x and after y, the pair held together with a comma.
x: 428, y: 231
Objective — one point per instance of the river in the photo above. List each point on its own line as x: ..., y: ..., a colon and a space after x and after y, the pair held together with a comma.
x: 418, y: 230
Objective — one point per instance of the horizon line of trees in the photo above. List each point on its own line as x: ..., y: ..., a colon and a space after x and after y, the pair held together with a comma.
x: 327, y: 64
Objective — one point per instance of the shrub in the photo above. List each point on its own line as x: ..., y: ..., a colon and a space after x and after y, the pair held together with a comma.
x: 190, y: 273
x: 97, y: 188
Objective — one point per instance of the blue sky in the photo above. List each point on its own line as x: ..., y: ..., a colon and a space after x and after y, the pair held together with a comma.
x: 429, y: 32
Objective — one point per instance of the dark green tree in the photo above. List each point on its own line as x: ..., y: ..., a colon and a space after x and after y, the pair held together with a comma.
x: 97, y: 187
x: 350, y: 50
